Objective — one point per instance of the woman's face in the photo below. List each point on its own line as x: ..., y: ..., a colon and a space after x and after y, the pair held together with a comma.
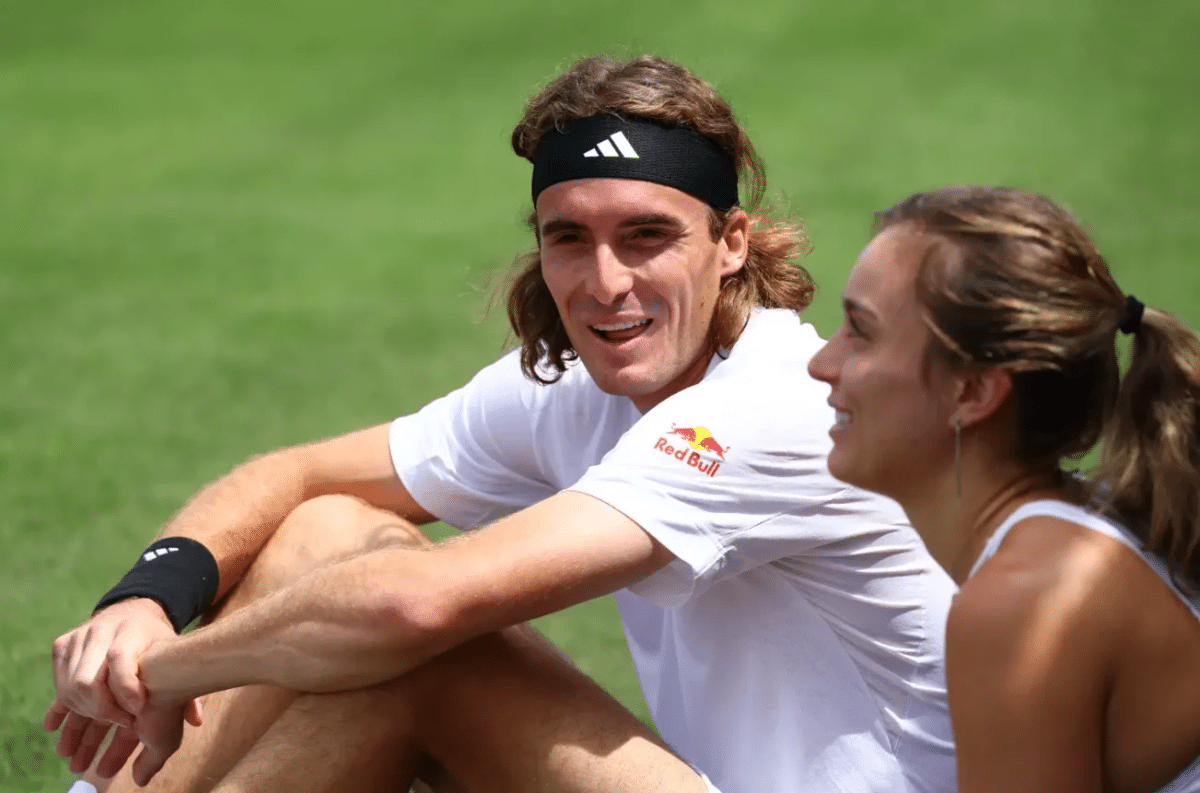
x: 894, y: 426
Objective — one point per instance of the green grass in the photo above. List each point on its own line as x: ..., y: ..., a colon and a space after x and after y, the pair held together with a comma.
x: 229, y: 227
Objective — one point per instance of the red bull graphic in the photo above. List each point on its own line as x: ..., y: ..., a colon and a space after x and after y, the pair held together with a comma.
x: 701, y: 441
x: 710, y: 444
x: 687, y: 433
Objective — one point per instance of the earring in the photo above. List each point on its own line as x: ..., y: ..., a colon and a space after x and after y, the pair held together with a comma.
x: 958, y: 457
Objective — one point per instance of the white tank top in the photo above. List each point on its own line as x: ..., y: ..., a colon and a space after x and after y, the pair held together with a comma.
x: 1189, y: 780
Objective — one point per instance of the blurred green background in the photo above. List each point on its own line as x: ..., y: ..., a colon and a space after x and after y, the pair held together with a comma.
x: 228, y: 227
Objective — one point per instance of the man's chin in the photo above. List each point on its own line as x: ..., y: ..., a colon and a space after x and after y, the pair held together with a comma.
x: 629, y: 381
x: 625, y: 386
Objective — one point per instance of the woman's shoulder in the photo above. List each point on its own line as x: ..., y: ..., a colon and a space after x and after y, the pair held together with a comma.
x: 1056, y: 583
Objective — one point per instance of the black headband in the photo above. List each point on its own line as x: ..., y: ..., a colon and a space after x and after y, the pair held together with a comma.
x: 610, y: 146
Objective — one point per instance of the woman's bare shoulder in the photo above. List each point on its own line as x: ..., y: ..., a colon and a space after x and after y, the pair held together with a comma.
x: 1060, y: 588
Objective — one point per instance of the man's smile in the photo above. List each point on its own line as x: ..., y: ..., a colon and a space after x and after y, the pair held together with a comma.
x: 620, y: 331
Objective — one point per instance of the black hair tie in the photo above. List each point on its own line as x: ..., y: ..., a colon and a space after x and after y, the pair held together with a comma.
x: 1132, y: 321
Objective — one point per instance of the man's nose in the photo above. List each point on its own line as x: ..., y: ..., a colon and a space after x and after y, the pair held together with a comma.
x: 609, y: 278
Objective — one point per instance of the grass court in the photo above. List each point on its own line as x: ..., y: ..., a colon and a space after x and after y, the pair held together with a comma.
x: 228, y: 227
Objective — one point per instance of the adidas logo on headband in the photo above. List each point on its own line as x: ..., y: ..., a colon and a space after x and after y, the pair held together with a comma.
x: 615, y: 145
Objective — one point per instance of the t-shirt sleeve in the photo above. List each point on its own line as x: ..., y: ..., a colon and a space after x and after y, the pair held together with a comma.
x: 469, y: 457
x: 728, y: 475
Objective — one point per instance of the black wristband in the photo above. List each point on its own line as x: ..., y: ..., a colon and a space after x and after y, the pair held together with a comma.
x: 178, y: 572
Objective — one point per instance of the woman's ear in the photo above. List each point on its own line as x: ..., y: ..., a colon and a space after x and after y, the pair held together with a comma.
x: 980, y: 394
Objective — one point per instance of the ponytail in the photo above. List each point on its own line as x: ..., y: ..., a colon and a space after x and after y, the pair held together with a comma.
x: 1149, y: 473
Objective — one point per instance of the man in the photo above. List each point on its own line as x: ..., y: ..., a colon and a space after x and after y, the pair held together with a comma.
x: 656, y: 435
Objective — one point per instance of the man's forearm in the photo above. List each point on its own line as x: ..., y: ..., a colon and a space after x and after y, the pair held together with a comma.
x: 377, y: 615
x: 235, y: 515
x: 350, y: 625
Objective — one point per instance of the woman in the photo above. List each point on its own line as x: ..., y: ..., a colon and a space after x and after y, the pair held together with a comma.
x: 976, y: 352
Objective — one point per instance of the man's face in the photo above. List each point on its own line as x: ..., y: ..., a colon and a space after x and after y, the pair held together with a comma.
x: 635, y: 274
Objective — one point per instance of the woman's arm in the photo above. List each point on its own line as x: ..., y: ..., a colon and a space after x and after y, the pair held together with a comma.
x: 1027, y: 665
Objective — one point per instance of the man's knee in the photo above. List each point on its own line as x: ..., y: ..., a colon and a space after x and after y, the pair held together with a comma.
x: 328, y: 528
x: 319, y: 532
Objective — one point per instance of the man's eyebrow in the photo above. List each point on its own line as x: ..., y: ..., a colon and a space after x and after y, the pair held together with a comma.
x: 648, y: 219
x: 652, y: 219
x: 552, y: 226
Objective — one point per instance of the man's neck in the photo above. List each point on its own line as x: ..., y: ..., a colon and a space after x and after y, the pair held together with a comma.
x: 686, y: 379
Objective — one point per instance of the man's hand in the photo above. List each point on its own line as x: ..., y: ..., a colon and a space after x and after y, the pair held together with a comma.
x: 158, y: 729
x: 96, y: 664
x: 97, y: 683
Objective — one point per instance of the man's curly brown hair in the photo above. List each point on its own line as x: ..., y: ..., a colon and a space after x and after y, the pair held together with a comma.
x: 653, y: 87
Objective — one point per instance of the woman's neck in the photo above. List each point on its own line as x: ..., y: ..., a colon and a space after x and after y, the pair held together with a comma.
x: 956, y: 526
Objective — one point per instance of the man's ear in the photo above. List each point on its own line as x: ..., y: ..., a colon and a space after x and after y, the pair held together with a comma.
x: 980, y: 394
x: 736, y: 236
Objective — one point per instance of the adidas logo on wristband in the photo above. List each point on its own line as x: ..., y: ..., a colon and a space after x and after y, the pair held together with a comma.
x: 150, y: 556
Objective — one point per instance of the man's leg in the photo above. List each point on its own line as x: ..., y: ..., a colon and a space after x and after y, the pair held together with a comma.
x: 315, y: 534
x: 503, y: 713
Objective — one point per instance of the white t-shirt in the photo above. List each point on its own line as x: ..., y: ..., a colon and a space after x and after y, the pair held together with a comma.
x: 1188, y: 780
x: 796, y: 642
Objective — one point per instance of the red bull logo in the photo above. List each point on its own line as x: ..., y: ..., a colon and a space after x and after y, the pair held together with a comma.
x: 702, y: 444
x: 687, y: 433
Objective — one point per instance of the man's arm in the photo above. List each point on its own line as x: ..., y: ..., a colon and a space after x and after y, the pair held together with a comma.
x: 233, y: 517
x: 373, y: 617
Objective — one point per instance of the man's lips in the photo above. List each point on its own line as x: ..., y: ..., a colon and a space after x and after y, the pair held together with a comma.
x: 620, y: 331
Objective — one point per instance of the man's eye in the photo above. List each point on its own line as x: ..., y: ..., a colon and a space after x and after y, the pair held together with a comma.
x: 649, y: 234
